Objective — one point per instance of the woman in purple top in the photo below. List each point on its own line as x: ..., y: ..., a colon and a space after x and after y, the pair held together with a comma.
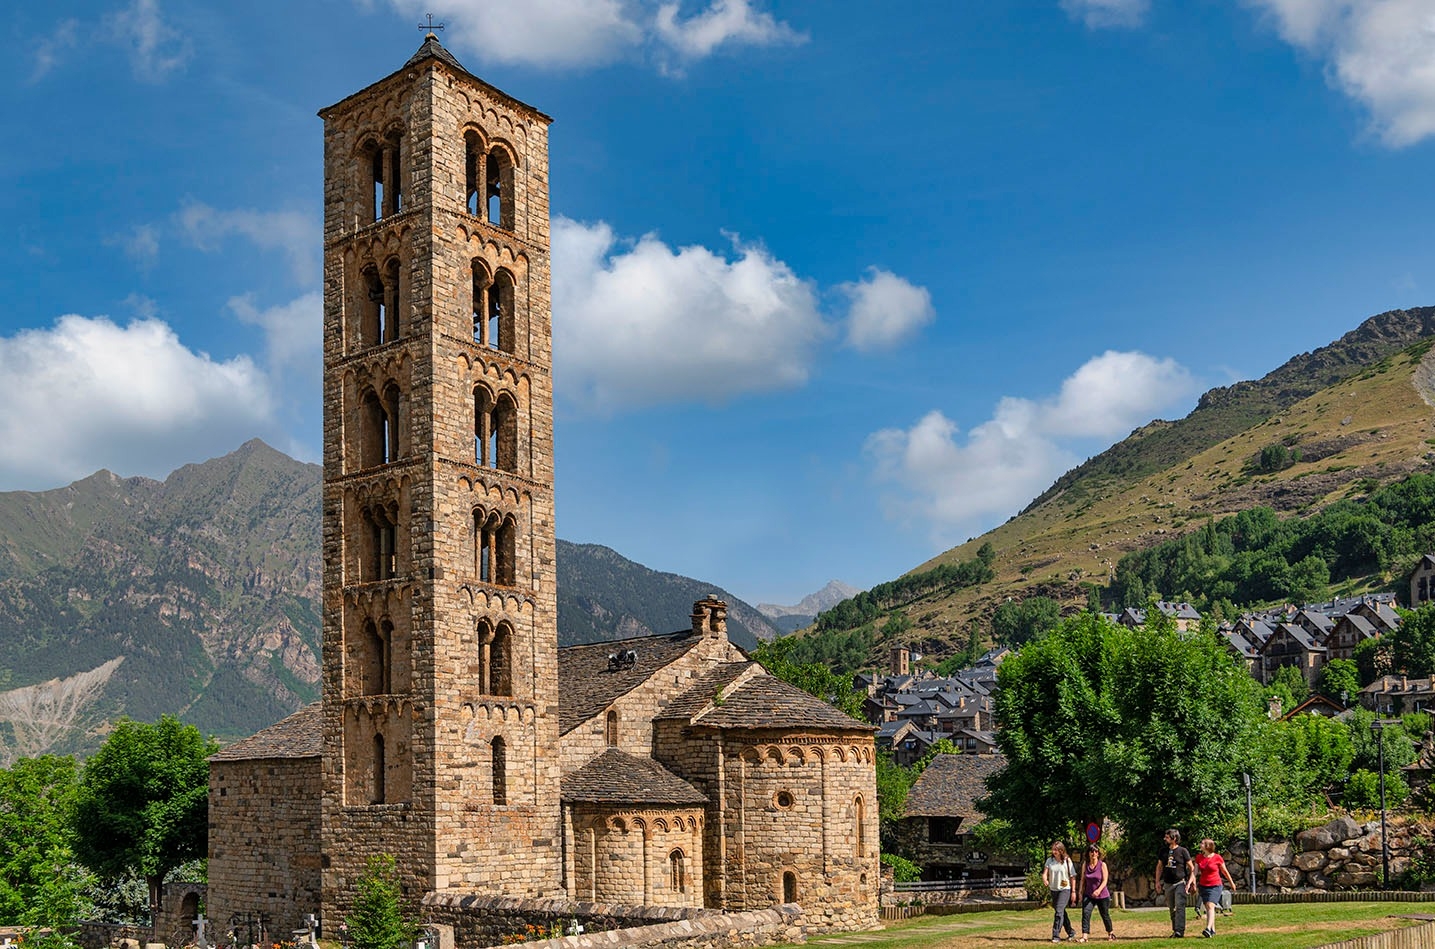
x: 1095, y: 892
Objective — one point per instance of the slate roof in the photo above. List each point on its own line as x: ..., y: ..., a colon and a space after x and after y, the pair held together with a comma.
x: 761, y: 701
x: 298, y: 736
x: 950, y: 786
x: 616, y: 777
x: 1362, y: 625
x: 1241, y: 645
x: 586, y: 684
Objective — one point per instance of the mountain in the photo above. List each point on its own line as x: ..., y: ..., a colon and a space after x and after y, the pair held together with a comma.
x: 1358, y: 411
x: 813, y: 603
x: 602, y: 595
x: 199, y: 595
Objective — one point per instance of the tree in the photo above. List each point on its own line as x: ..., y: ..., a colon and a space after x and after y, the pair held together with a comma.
x: 143, y: 802
x: 1399, y: 745
x: 1290, y: 685
x: 40, y: 883
x: 1016, y: 622
x: 1373, y: 659
x: 377, y: 920
x: 812, y: 677
x: 1303, y: 759
x: 1339, y: 677
x: 1144, y: 726
x: 1413, y: 644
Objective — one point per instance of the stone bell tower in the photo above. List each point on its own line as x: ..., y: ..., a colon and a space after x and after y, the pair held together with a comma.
x: 440, y: 717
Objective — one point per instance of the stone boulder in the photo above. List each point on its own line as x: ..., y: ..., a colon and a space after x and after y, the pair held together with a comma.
x: 1320, y: 838
x: 1273, y: 855
x: 1311, y: 860
x: 1284, y: 877
x: 1353, y: 878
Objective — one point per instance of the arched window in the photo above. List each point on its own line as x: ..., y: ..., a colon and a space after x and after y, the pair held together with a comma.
x: 391, y: 423
x: 497, y: 549
x: 389, y: 320
x: 677, y: 873
x: 859, y: 819
x: 500, y: 332
x: 383, y: 536
x: 376, y: 789
x: 375, y: 663
x: 498, y: 195
x: 482, y: 283
x: 371, y: 164
x: 610, y: 728
x: 393, y: 183
x: 500, y: 772
x: 789, y: 887
x: 495, y: 654
x: 495, y: 430
x: 473, y: 174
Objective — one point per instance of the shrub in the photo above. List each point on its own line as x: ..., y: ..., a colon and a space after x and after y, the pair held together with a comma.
x: 1363, y: 790
x: 903, y: 870
x: 377, y: 920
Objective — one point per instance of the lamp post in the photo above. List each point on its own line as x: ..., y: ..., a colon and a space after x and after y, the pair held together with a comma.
x: 1379, y: 726
x: 1250, y: 834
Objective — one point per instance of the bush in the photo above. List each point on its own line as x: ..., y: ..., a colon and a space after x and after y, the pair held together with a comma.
x: 377, y: 920
x: 1363, y: 790
x: 903, y: 870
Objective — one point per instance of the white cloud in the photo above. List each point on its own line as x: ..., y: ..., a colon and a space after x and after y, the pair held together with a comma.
x: 959, y: 487
x: 156, y: 48
x: 1106, y: 14
x: 566, y: 33
x: 64, y: 37
x: 293, y: 332
x: 642, y: 323
x: 886, y: 310
x: 87, y: 393
x: 725, y: 22
x: 294, y: 234
x: 1379, y: 52
x: 141, y: 244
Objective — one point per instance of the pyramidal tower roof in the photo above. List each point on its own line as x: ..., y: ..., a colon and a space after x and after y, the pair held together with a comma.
x: 431, y: 48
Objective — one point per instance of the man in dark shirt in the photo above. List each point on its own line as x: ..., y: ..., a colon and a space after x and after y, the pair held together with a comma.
x: 1176, y: 874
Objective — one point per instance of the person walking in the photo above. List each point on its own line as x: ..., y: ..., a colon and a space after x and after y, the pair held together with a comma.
x: 1095, y: 892
x: 1176, y: 875
x: 1060, y: 878
x: 1210, y: 867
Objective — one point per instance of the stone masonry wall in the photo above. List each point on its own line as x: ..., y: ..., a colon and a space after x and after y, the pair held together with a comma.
x: 485, y: 921
x: 627, y: 856
x: 264, y: 855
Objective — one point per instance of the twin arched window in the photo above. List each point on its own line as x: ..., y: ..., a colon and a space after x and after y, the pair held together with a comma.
x: 495, y: 658
x: 379, y: 437
x: 495, y: 430
x: 488, y: 182
x: 495, y: 548
x: 381, y: 164
x: 382, y: 560
x: 377, y: 660
x: 493, y: 322
x: 379, y: 304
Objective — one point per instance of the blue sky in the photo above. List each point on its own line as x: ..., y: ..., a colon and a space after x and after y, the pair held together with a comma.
x: 837, y: 285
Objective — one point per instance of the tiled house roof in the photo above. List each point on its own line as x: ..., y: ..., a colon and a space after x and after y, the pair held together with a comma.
x: 298, y: 736
x: 589, y: 683
x: 615, y: 777
x: 950, y: 786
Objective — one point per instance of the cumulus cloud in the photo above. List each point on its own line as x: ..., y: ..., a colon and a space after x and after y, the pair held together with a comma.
x: 293, y: 332
x: 1107, y: 14
x: 960, y: 486
x: 886, y: 310
x: 640, y: 323
x: 566, y: 33
x: 156, y: 49
x: 292, y: 233
x: 1379, y: 52
x: 88, y: 393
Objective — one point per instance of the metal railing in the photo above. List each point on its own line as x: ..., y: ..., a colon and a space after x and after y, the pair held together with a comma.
x: 982, y: 883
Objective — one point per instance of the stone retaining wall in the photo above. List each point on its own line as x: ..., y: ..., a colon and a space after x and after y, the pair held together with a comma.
x: 484, y: 921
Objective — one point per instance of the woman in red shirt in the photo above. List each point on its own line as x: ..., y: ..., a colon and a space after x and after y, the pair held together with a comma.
x: 1210, y: 867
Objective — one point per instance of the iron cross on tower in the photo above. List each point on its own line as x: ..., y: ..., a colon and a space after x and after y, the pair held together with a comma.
x: 430, y: 26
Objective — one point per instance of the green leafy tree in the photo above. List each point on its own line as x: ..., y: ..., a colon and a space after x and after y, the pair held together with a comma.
x: 1017, y: 622
x: 1413, y: 644
x: 812, y: 677
x: 1290, y: 685
x: 1363, y: 790
x: 1340, y: 676
x: 1372, y: 659
x: 893, y: 783
x: 1303, y: 759
x: 143, y: 803
x: 377, y: 920
x: 40, y: 882
x: 1144, y: 726
x: 1399, y: 744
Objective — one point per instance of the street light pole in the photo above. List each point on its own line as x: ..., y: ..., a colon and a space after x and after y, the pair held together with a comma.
x: 1379, y: 726
x: 1250, y: 834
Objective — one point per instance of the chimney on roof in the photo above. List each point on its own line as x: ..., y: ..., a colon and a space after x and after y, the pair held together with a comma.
x: 1404, y: 683
x: 710, y: 616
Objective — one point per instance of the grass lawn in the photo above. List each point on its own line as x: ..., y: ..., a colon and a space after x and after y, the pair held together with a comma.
x: 1288, y: 926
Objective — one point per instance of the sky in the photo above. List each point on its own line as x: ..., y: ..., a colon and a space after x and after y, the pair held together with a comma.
x: 837, y: 285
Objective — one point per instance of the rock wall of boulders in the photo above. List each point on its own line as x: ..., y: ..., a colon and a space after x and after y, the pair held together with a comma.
x: 1344, y: 854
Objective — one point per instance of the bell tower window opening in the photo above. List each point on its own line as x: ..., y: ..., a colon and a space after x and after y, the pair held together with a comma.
x: 495, y: 656
x: 501, y: 333
x: 377, y: 659
x: 503, y: 434
x: 389, y: 307
x: 473, y: 173
x: 383, y: 534
x: 372, y: 313
x: 498, y: 190
x: 393, y: 188
x: 376, y: 788
x: 391, y: 424
x: 497, y: 549
x: 374, y: 190
x: 500, y: 772
x: 482, y: 285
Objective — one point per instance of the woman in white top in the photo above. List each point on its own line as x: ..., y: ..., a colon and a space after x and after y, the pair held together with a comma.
x: 1060, y: 877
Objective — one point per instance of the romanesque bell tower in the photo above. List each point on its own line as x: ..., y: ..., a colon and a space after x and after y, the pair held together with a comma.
x: 440, y: 620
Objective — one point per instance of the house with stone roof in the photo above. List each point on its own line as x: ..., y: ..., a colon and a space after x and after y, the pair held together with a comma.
x: 940, y: 812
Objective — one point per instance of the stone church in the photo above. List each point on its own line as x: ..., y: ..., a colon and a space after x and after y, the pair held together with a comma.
x: 453, y: 733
